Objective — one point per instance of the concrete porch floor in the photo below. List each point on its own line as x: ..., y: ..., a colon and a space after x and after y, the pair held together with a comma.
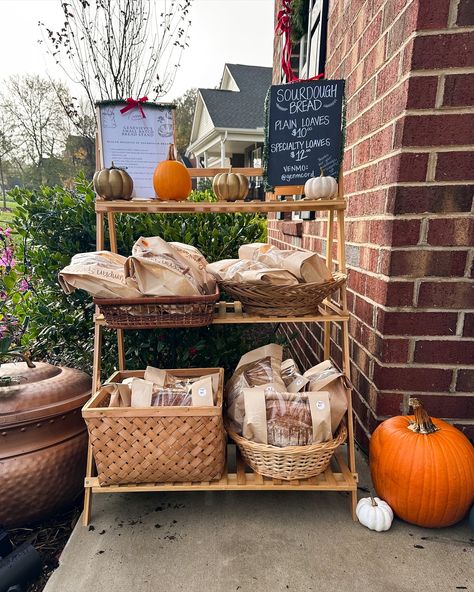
x: 256, y: 542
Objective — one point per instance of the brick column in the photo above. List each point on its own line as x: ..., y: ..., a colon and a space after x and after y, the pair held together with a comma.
x: 409, y: 181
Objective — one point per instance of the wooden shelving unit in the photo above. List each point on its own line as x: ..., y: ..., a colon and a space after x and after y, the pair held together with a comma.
x: 342, y: 475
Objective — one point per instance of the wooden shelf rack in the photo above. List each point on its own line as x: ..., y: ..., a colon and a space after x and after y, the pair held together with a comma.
x: 341, y: 475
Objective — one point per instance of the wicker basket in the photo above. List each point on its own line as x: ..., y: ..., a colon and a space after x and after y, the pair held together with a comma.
x: 156, y: 444
x: 162, y: 311
x: 284, y: 301
x: 291, y: 462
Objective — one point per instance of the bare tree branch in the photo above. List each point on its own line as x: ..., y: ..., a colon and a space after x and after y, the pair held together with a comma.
x: 120, y: 48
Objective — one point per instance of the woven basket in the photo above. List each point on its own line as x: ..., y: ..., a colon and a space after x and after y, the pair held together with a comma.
x: 291, y: 462
x: 284, y: 301
x: 162, y: 311
x: 156, y: 444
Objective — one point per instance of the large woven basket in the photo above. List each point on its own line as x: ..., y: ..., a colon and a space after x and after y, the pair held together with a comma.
x: 162, y: 311
x: 156, y: 444
x: 284, y: 301
x: 291, y: 462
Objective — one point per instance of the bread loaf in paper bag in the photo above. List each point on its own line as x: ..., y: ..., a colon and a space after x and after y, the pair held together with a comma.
x: 100, y: 273
x: 161, y: 270
x: 325, y: 377
x: 286, y: 419
x: 259, y: 367
x: 245, y: 271
x: 307, y: 267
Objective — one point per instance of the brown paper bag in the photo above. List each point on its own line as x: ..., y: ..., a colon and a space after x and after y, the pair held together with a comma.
x: 243, y: 270
x: 161, y: 270
x: 249, y: 251
x: 142, y: 392
x: 156, y: 375
x: 306, y: 266
x: 202, y: 392
x: 196, y: 259
x: 120, y: 394
x: 163, y: 378
x: 100, y: 273
x: 292, y: 377
x: 286, y: 419
x: 325, y: 377
x: 320, y: 407
x: 259, y: 367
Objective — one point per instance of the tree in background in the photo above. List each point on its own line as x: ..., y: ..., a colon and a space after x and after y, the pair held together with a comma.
x: 37, y: 145
x: 185, y: 107
x: 41, y: 128
x: 120, y: 48
x: 7, y: 147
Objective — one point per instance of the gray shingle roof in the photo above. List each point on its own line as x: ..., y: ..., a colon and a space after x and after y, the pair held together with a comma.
x: 244, y: 109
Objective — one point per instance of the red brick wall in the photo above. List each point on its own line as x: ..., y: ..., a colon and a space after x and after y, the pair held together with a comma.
x: 409, y: 181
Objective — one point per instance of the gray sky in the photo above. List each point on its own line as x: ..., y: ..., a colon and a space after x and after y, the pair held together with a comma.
x: 233, y: 31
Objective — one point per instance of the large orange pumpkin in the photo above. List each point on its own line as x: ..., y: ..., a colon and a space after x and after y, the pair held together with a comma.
x: 423, y: 468
x: 171, y: 179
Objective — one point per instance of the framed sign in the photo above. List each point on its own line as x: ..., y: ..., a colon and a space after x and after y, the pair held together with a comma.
x: 136, y: 139
x: 304, y: 132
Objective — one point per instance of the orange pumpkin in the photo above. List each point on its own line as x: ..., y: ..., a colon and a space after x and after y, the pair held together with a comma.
x: 423, y: 468
x: 171, y: 179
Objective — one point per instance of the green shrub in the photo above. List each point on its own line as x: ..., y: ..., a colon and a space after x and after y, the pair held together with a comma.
x: 56, y: 223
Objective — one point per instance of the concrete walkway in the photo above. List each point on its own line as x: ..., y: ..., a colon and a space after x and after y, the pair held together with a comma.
x: 256, y: 542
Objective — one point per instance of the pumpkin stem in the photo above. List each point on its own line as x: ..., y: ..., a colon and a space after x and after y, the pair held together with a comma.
x: 322, y: 172
x: 423, y: 423
x: 372, y: 500
x: 171, y: 155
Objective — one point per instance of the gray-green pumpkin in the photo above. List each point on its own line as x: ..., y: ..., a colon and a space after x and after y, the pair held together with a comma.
x: 113, y: 183
x: 230, y: 186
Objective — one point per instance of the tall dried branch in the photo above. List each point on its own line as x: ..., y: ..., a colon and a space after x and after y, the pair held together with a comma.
x: 120, y: 48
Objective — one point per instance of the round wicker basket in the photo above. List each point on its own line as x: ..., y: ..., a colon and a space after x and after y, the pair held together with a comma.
x: 291, y: 462
x: 269, y: 300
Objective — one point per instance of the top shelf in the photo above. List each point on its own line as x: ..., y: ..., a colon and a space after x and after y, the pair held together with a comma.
x: 137, y: 206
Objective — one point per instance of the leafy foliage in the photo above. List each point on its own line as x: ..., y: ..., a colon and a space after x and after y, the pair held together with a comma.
x: 185, y: 107
x: 56, y: 223
x: 299, y: 19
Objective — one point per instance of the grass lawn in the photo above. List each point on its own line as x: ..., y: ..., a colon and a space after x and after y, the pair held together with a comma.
x: 6, y: 216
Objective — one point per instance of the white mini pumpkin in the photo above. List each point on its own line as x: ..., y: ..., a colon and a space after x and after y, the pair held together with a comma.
x: 374, y: 513
x: 320, y: 187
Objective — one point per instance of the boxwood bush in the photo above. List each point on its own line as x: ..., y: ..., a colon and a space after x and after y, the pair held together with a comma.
x: 54, y: 224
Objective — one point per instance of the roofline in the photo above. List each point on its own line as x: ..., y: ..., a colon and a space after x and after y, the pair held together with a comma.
x: 226, y: 67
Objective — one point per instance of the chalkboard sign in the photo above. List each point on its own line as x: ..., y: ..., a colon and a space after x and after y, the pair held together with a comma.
x: 304, y: 131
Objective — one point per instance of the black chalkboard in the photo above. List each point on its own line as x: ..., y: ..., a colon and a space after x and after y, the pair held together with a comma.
x: 304, y: 131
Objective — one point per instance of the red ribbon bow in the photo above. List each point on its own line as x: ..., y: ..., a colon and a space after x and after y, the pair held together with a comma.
x: 283, y: 27
x: 132, y: 103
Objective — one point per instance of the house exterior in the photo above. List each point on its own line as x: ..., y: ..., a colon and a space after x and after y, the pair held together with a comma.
x: 228, y: 121
x: 409, y: 184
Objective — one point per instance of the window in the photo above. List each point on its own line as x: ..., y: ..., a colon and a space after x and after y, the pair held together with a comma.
x: 317, y: 35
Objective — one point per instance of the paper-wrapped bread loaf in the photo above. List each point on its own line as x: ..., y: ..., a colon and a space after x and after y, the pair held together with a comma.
x: 241, y: 270
x: 306, y: 266
x: 100, y: 273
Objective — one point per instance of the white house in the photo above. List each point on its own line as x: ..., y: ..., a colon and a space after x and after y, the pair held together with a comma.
x: 228, y: 121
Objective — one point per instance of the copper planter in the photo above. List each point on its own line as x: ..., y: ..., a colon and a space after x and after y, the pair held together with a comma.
x: 43, y: 440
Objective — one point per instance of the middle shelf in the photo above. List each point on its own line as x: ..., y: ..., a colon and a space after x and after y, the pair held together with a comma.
x: 228, y: 313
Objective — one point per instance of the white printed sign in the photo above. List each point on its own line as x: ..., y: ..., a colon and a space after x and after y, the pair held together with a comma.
x: 134, y: 142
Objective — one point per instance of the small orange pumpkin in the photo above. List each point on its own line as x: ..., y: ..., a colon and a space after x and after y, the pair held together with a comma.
x: 171, y: 179
x: 423, y: 468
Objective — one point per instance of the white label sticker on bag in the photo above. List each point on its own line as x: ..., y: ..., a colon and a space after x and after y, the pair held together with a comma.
x: 320, y: 404
x: 202, y: 392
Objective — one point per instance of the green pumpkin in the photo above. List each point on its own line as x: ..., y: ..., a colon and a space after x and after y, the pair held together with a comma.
x: 113, y: 183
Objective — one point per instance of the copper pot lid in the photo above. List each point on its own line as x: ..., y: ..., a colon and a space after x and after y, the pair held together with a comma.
x: 43, y: 391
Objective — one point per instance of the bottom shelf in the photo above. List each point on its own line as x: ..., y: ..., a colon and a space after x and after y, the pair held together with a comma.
x: 337, y: 477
